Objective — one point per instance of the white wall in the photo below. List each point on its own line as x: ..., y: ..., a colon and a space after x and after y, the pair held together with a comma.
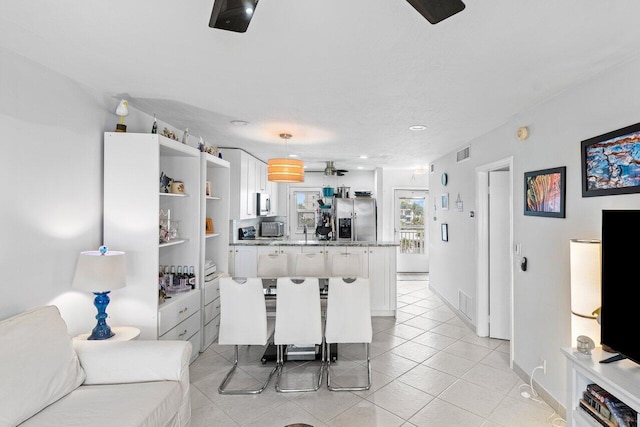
x: 542, y: 293
x: 51, y: 169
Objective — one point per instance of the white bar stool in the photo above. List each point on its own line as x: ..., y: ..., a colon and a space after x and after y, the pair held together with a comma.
x: 298, y: 321
x: 273, y: 265
x: 345, y: 265
x: 243, y: 321
x: 348, y: 320
x: 310, y: 265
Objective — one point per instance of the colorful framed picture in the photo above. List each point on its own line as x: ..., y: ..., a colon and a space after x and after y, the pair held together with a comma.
x: 611, y: 163
x: 544, y: 192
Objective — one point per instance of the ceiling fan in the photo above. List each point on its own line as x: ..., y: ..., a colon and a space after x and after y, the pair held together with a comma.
x: 235, y: 15
x: 331, y: 170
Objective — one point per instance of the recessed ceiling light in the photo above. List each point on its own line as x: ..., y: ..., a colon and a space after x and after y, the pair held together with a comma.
x: 364, y: 156
x: 239, y: 123
x: 417, y: 127
x: 249, y: 11
x: 293, y: 155
x: 360, y: 167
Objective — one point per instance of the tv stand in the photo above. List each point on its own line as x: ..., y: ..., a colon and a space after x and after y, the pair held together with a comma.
x: 614, y: 358
x: 620, y: 379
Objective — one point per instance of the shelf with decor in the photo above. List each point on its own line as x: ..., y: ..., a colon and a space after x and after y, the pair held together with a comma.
x: 134, y: 198
x: 215, y: 179
x: 620, y: 379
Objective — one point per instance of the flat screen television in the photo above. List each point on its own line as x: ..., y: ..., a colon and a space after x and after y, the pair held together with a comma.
x: 621, y: 283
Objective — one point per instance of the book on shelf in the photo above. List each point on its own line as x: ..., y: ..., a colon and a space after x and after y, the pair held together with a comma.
x: 600, y: 407
x: 593, y: 412
x: 623, y: 415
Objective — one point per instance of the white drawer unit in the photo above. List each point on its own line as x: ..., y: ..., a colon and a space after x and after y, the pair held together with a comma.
x: 177, y: 309
x: 184, y: 330
x: 211, y: 312
x: 211, y: 330
x: 195, y: 342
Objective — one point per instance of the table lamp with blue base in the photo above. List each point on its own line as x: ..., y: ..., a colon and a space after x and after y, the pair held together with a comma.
x: 100, y: 272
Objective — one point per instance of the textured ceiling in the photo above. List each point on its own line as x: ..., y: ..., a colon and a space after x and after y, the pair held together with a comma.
x: 345, y: 77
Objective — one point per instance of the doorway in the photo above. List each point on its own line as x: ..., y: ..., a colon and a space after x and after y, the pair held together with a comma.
x: 410, y: 230
x: 494, y: 190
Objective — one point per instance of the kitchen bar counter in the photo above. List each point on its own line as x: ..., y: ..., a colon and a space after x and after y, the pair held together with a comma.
x: 376, y: 260
x: 285, y: 242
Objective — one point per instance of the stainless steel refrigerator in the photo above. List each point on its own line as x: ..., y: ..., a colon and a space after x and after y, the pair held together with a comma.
x: 355, y: 219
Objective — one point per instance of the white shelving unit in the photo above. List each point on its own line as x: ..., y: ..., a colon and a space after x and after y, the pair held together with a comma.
x: 621, y: 379
x: 214, y: 246
x: 132, y: 203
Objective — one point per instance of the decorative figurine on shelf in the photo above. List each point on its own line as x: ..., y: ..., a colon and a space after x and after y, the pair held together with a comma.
x: 122, y: 110
x: 185, y: 136
x: 154, y: 128
x: 169, y: 134
x: 165, y: 183
x: 201, y: 145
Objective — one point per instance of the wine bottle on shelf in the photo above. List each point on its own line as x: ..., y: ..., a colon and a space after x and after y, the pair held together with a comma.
x: 178, y: 280
x: 173, y: 276
x: 154, y: 128
x: 168, y: 279
x: 192, y: 277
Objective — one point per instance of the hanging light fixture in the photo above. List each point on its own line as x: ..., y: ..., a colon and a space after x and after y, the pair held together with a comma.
x: 285, y: 169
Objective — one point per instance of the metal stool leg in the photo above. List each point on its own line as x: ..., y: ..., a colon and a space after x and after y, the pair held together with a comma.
x: 354, y: 388
x: 227, y: 378
x: 293, y: 390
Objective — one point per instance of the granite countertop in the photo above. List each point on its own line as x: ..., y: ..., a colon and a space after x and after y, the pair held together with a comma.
x: 310, y: 242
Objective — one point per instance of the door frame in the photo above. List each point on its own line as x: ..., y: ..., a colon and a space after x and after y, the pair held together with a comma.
x: 482, y: 273
x: 395, y: 209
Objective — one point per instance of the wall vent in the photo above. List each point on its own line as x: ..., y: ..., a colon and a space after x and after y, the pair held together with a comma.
x: 432, y: 168
x: 464, y: 303
x: 463, y: 154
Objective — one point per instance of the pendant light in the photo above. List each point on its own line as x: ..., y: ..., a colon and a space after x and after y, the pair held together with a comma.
x: 285, y: 169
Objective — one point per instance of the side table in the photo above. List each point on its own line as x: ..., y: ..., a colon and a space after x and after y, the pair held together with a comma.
x: 122, y: 333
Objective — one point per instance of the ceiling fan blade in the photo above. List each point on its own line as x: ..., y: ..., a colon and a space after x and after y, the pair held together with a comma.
x: 232, y: 15
x: 437, y: 10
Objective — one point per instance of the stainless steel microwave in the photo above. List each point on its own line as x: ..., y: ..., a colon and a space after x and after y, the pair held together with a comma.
x: 272, y: 229
x: 263, y: 204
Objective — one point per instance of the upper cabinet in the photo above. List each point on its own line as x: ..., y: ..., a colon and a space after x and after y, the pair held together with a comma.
x: 248, y: 177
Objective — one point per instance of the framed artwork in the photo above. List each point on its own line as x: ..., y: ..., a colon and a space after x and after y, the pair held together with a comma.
x: 544, y: 192
x: 208, y: 226
x: 611, y: 163
x: 207, y: 189
x: 445, y: 201
x: 444, y: 230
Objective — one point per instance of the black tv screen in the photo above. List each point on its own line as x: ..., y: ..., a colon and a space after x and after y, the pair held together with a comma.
x: 621, y: 282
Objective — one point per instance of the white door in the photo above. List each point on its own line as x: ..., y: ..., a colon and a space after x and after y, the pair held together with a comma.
x: 411, y: 231
x: 499, y: 256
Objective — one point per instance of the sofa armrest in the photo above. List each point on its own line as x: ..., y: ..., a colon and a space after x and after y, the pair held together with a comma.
x: 133, y: 361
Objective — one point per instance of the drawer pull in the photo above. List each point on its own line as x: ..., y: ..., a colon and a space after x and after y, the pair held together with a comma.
x: 183, y: 311
x: 182, y: 334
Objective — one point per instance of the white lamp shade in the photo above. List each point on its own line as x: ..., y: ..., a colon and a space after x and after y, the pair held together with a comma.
x: 96, y: 272
x: 586, y: 295
x: 586, y: 292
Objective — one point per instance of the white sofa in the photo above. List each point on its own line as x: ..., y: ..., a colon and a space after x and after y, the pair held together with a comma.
x: 46, y: 379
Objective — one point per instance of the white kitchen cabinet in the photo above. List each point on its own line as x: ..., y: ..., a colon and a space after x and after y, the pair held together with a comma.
x: 245, y: 261
x: 361, y: 251
x: 132, y: 203
x: 621, y: 379
x: 382, y: 279
x: 292, y: 254
x: 272, y: 189
x: 248, y: 177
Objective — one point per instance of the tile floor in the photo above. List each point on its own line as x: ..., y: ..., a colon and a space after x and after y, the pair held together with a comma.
x: 428, y: 369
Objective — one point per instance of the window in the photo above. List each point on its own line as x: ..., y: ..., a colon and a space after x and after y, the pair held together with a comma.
x: 306, y: 209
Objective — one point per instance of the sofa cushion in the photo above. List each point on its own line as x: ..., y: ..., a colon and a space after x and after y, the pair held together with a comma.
x: 37, y: 363
x: 138, y: 404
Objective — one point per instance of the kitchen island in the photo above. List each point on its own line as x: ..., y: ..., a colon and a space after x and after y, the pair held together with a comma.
x: 377, y: 262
